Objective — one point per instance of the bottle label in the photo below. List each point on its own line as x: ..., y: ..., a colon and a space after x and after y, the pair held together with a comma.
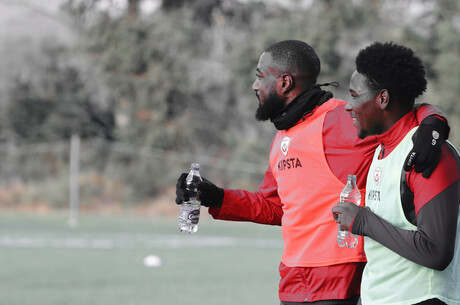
x: 194, y: 216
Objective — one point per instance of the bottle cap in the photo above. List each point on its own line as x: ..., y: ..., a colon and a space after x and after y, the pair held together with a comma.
x: 352, y: 177
x: 195, y: 166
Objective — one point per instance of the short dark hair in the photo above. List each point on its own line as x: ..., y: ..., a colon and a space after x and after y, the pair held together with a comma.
x: 296, y: 54
x: 393, y: 67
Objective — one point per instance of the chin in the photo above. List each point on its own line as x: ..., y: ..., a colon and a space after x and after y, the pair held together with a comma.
x: 260, y: 116
x: 260, y: 119
x: 362, y: 134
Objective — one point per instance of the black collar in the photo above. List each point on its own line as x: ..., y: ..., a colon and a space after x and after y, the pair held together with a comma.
x: 300, y: 106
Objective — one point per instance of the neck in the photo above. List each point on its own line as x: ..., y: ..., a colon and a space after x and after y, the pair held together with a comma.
x: 393, y: 136
x: 297, y: 107
x: 393, y: 114
x: 291, y: 95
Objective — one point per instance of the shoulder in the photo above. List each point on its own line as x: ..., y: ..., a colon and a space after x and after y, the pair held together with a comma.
x: 338, y: 114
x: 334, y: 103
x: 446, y: 173
x: 448, y: 168
x: 338, y: 125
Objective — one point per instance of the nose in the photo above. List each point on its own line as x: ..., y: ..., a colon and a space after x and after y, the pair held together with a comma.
x: 255, y: 85
x: 348, y: 106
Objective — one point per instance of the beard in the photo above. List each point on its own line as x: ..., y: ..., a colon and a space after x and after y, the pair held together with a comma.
x: 271, y: 106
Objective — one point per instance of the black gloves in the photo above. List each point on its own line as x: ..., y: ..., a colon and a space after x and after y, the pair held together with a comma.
x: 428, y: 141
x: 209, y: 194
x: 181, y: 192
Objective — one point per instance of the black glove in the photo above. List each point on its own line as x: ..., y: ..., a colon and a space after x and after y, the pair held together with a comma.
x: 428, y: 141
x: 209, y: 194
x: 344, y: 213
x: 181, y: 191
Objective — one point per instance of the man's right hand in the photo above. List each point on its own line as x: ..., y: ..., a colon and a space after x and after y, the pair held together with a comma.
x: 209, y: 194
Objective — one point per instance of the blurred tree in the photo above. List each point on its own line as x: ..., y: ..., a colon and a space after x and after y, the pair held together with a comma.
x: 133, y: 9
x: 167, y: 5
x: 28, y: 114
x: 437, y: 41
x: 57, y: 105
x: 159, y: 72
x: 447, y: 61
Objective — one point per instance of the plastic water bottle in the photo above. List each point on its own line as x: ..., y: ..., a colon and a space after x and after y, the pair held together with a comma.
x: 190, y: 210
x: 350, y: 193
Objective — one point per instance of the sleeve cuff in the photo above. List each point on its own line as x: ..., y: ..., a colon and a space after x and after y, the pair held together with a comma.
x: 215, y: 211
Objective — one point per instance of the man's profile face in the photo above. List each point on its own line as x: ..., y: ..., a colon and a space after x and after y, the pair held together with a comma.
x: 364, y: 106
x: 265, y: 87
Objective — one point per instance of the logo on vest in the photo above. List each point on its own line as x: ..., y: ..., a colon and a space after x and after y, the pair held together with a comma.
x: 289, y: 163
x: 285, y: 145
x: 377, y: 175
x: 373, y: 195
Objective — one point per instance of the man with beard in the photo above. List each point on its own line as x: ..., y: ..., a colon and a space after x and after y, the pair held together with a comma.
x: 311, y: 156
x: 411, y: 223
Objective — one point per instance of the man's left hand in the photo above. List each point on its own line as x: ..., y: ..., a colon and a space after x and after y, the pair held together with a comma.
x: 428, y: 141
x: 344, y: 213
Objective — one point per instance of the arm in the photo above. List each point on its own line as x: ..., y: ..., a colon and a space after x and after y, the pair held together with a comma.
x: 435, y: 202
x: 436, y: 206
x: 263, y: 206
x: 432, y: 244
x: 425, y: 110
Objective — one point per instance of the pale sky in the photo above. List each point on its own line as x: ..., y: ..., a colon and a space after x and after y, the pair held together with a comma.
x: 31, y: 18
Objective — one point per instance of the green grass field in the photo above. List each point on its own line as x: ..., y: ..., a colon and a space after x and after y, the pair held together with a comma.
x: 43, y: 261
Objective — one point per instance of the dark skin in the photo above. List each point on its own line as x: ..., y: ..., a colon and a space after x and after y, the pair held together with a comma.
x: 275, y: 79
x: 367, y: 103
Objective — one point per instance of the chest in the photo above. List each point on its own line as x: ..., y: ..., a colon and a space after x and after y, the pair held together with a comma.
x: 383, y: 186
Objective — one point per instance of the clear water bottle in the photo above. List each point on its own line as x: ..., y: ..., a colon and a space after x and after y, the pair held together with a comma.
x: 350, y: 193
x: 190, y: 210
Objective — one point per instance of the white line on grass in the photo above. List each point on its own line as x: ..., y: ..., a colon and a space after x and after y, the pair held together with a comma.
x: 130, y: 241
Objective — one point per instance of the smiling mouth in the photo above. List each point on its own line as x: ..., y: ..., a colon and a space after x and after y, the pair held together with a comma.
x: 355, y: 120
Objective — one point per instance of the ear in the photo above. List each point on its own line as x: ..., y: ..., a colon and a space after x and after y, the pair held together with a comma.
x: 286, y: 83
x: 384, y: 99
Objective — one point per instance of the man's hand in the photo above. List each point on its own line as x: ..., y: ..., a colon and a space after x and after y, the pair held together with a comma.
x: 428, y: 141
x: 181, y: 191
x: 344, y: 213
x: 209, y: 194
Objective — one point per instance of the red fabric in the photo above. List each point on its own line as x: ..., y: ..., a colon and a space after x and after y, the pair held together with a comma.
x: 265, y: 204
x: 320, y: 283
x: 441, y: 178
x: 345, y: 154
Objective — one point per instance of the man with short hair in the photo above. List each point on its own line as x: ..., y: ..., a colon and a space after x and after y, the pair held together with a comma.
x: 410, y: 223
x: 311, y: 156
